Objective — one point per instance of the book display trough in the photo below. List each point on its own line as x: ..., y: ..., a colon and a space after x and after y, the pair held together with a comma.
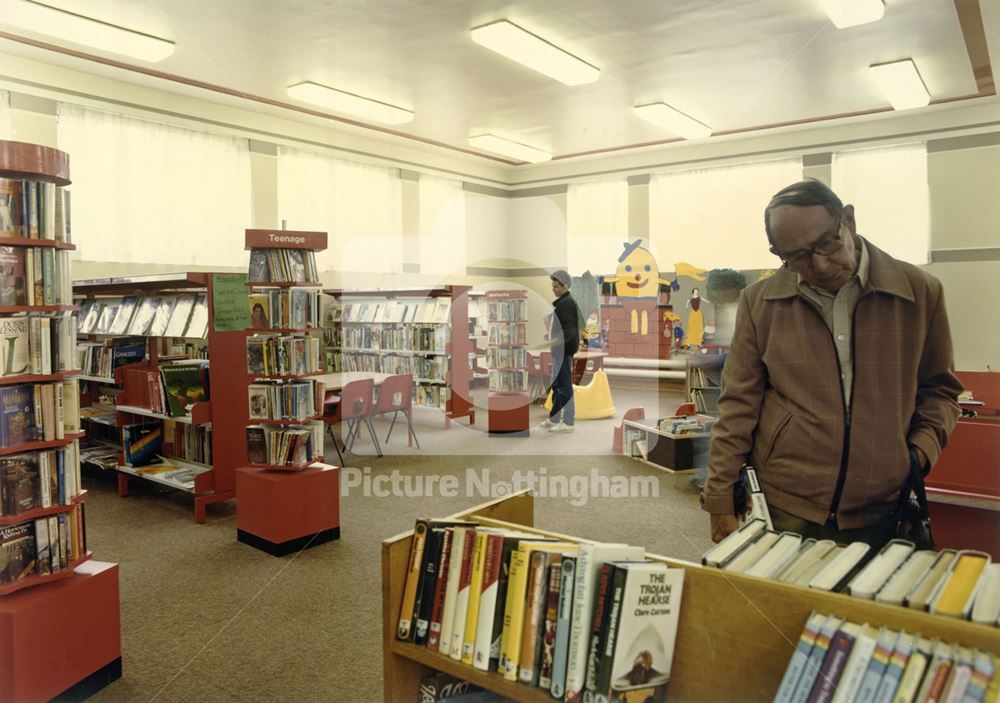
x: 422, y: 332
x: 672, y: 443
x: 288, y: 499
x: 506, y: 359
x: 158, y: 337
x: 735, y: 637
x: 47, y: 581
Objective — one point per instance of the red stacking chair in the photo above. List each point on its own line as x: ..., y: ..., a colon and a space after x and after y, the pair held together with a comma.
x: 355, y: 408
x: 331, y: 416
x: 395, y: 396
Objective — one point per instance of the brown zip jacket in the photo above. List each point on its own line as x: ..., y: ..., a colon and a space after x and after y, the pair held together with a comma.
x: 783, y: 408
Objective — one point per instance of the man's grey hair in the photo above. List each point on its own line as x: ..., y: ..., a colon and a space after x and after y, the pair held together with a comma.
x: 803, y: 194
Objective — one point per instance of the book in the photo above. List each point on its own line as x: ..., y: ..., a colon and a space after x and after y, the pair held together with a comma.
x: 774, y: 560
x: 474, y: 593
x: 793, y: 672
x: 549, y: 625
x: 563, y: 625
x: 17, y: 552
x: 906, y: 577
x: 488, y: 601
x: 534, y: 610
x: 811, y: 669
x: 405, y: 629
x: 748, y: 556
x: 161, y: 316
x: 733, y: 543
x: 180, y: 315
x: 960, y: 676
x: 590, y: 556
x: 15, y: 346
x: 894, y: 669
x: 510, y: 646
x: 17, y: 414
x: 920, y: 596
x: 198, y: 322
x: 877, y: 665
x: 958, y: 589
x: 256, y: 445
x: 451, y: 589
x: 462, y: 596
x: 913, y: 674
x: 258, y: 265
x: 142, y: 320
x: 259, y: 399
x: 440, y: 588
x: 841, y: 568
x: 834, y: 662
x: 10, y: 208
x: 986, y: 609
x: 260, y: 311
x: 758, y: 505
x: 13, y: 286
x: 937, y: 674
x: 19, y: 484
x: 983, y: 671
x: 599, y: 625
x: 647, y: 619
x: 141, y: 443
x: 799, y: 567
x: 428, y: 583
x: 877, y: 571
x: 124, y: 315
x: 183, y: 386
x: 856, y: 666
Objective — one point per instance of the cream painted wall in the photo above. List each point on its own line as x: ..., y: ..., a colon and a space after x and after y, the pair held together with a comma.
x: 264, y: 190
x: 965, y: 197
x: 34, y: 128
x: 971, y: 290
x: 487, y: 224
x: 537, y: 231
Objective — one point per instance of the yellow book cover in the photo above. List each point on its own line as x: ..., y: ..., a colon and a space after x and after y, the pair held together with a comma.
x: 920, y: 597
x: 404, y: 630
x: 513, y: 614
x: 475, y: 590
x: 954, y: 595
x: 914, y: 672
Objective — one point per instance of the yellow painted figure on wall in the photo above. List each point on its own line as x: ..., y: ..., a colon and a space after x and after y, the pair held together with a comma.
x: 637, y: 281
x: 694, y: 333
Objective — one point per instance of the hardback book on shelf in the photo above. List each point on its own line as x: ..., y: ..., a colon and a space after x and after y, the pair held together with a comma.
x: 43, y: 546
x: 34, y: 276
x: 401, y: 338
x: 35, y: 210
x: 189, y: 442
x: 36, y: 345
x: 586, y: 621
x: 291, y: 445
x: 170, y: 389
x: 285, y: 355
x: 507, y: 310
x: 384, y: 311
x: 38, y: 412
x: 41, y: 479
x: 156, y: 315
x: 298, y: 400
x: 507, y: 334
x: 102, y: 358
x: 284, y: 308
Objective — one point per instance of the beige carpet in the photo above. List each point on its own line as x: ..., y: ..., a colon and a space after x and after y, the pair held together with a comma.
x: 209, y: 619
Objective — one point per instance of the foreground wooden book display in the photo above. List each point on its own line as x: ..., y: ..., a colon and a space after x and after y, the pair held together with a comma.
x: 736, y: 633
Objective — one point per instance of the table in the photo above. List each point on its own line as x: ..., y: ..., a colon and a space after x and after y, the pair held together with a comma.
x: 337, y: 381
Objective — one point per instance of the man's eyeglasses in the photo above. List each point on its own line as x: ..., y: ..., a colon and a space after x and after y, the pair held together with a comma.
x: 826, y: 246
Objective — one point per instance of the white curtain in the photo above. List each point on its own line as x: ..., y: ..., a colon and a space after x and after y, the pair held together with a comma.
x: 889, y: 191
x: 714, y: 217
x: 5, y: 128
x: 597, y: 225
x: 442, y: 226
x: 359, y: 206
x: 145, y: 192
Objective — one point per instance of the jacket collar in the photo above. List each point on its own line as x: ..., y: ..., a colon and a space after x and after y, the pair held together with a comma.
x: 886, y: 275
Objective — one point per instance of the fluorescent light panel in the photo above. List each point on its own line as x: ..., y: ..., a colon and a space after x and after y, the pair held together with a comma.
x: 676, y: 121
x: 901, y: 84
x: 848, y: 13
x: 86, y: 31
x: 505, y: 147
x: 520, y: 45
x: 339, y: 101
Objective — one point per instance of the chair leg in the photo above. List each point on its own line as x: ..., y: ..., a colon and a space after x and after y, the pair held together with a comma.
x: 336, y: 445
x: 391, y: 425
x: 409, y: 425
x: 352, y: 434
x: 371, y: 431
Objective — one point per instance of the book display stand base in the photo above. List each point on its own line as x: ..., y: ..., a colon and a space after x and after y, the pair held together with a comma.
x: 281, y: 512
x: 62, y: 639
x: 508, y: 415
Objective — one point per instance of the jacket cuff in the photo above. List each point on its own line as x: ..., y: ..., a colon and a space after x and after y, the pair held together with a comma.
x: 925, y: 439
x: 717, y: 504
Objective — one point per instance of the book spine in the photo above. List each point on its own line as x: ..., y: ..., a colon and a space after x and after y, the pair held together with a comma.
x: 488, y: 602
x: 549, y: 627
x: 534, y: 604
x: 475, y: 593
x: 576, y: 669
x: 509, y: 545
x: 815, y: 661
x: 599, y: 623
x: 833, y: 666
x: 606, y: 655
x: 462, y: 600
x: 855, y: 668
x: 799, y: 657
x: 513, y: 619
x: 428, y: 582
x: 451, y: 590
x: 563, y: 626
x: 405, y: 629
x: 876, y: 668
x: 440, y: 589
x: 912, y: 675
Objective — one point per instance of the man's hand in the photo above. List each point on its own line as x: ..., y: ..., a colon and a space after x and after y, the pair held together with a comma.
x: 722, y: 525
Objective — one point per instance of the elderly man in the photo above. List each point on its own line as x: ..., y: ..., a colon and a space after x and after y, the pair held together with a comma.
x: 840, y: 371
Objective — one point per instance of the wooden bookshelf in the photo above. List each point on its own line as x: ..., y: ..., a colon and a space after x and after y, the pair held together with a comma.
x: 508, y: 398
x: 70, y: 615
x: 734, y: 641
x: 703, y: 382
x: 459, y: 348
x: 217, y: 483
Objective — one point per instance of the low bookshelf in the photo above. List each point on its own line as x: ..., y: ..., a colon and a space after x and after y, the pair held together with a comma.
x: 734, y: 641
x: 654, y: 442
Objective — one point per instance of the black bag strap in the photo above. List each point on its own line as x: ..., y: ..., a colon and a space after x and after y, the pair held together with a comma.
x: 915, y: 484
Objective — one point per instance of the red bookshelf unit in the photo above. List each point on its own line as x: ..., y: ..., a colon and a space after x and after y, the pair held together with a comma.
x: 506, y: 359
x: 59, y: 611
x: 288, y: 500
x: 383, y: 343
x: 207, y: 482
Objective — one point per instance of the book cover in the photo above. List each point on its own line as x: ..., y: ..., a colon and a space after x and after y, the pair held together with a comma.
x: 647, y: 626
x: 749, y: 555
x: 833, y: 663
x: 510, y: 543
x: 43, y: 550
x: 10, y: 208
x: 141, y: 443
x: 599, y: 623
x: 894, y: 669
x: 180, y: 315
x: 161, y: 316
x: 260, y: 311
x: 296, y: 265
x: 474, y: 592
x: 405, y: 629
x: 488, y: 601
x: 774, y: 560
x: 984, y: 668
x: 13, y: 286
x: 183, y: 386
x: 986, y: 609
x: 937, y: 674
x: 428, y: 583
x: 877, y: 665
x: 109, y: 314
x: 796, y: 664
x: 141, y: 320
x: 258, y: 266
x: 462, y: 596
x: 534, y: 609
x: 19, y: 483
x: 960, y: 676
x: 549, y: 627
x: 513, y: 625
x: 913, y: 675
x: 256, y: 445
x: 955, y: 595
x: 817, y: 655
x: 17, y: 414
x: 847, y: 688
x: 259, y: 401
x: 17, y: 552
x: 15, y: 346
x: 198, y: 322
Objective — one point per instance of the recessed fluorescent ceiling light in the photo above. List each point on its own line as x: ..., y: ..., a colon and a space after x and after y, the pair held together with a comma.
x: 505, y: 147
x: 339, y: 101
x: 848, y: 13
x: 901, y: 84
x: 520, y: 45
x: 78, y: 29
x: 677, y: 122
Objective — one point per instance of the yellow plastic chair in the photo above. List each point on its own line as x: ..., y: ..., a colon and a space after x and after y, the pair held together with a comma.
x: 593, y: 401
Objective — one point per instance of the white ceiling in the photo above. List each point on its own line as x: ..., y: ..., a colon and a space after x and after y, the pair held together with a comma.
x: 732, y: 64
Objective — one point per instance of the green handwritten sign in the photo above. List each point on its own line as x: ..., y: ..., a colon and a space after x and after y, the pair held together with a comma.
x: 229, y: 297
